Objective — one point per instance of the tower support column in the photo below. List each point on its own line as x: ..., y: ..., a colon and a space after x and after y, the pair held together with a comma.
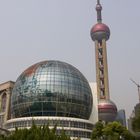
x: 97, y: 69
x: 106, y: 81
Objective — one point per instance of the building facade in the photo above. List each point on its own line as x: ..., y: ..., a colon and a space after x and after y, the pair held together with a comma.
x: 5, y: 100
x: 121, y: 117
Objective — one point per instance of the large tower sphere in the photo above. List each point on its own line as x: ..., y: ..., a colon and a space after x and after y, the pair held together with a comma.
x: 107, y: 110
x: 100, y: 31
x: 51, y: 88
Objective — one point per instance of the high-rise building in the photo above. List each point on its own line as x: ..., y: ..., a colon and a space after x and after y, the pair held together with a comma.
x: 100, y: 33
x: 121, y: 117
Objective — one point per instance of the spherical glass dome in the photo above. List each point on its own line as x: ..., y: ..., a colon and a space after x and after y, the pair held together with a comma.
x: 51, y: 88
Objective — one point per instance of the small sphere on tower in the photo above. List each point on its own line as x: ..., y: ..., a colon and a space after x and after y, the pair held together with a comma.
x: 98, y: 7
x: 100, y: 31
x: 107, y: 110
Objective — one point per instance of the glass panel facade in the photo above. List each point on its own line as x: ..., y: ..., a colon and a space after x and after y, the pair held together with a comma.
x: 74, y: 128
x: 51, y: 88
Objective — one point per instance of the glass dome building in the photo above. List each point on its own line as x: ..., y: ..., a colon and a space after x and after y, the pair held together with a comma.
x: 51, y: 88
x: 52, y: 92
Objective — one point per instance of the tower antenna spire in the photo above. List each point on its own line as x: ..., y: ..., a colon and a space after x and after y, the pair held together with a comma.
x: 99, y: 9
x: 98, y: 1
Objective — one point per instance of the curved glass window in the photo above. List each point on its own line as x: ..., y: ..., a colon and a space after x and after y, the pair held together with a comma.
x: 51, y: 88
x: 73, y: 128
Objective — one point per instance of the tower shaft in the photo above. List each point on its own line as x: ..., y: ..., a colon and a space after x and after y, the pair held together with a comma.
x: 101, y: 69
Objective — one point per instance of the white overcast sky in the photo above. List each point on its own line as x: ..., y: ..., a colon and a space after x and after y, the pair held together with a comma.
x: 37, y: 30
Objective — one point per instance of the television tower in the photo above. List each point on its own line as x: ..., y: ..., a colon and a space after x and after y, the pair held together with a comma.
x: 100, y: 33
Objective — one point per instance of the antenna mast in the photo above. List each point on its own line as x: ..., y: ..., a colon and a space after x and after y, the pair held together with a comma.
x: 138, y: 86
x: 99, y: 11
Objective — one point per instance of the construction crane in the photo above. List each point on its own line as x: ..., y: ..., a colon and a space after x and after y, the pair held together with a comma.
x: 138, y: 86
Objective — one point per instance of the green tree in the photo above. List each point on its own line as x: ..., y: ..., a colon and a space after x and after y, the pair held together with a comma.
x: 98, y: 131
x: 111, y: 131
x: 36, y: 133
x: 63, y: 136
x: 115, y: 131
x: 136, y: 123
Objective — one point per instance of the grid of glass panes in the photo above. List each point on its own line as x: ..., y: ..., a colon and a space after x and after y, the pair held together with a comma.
x: 53, y: 89
x: 73, y: 125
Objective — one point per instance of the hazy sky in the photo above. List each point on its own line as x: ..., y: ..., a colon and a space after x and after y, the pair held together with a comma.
x: 37, y: 30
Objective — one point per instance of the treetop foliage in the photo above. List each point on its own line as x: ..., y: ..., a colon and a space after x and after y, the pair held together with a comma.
x: 36, y: 133
x: 136, y: 123
x: 111, y: 131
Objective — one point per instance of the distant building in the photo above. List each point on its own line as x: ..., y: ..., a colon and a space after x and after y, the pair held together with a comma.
x: 94, y: 113
x: 5, y: 98
x: 135, y: 113
x: 130, y: 121
x: 121, y: 117
x: 137, y: 109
